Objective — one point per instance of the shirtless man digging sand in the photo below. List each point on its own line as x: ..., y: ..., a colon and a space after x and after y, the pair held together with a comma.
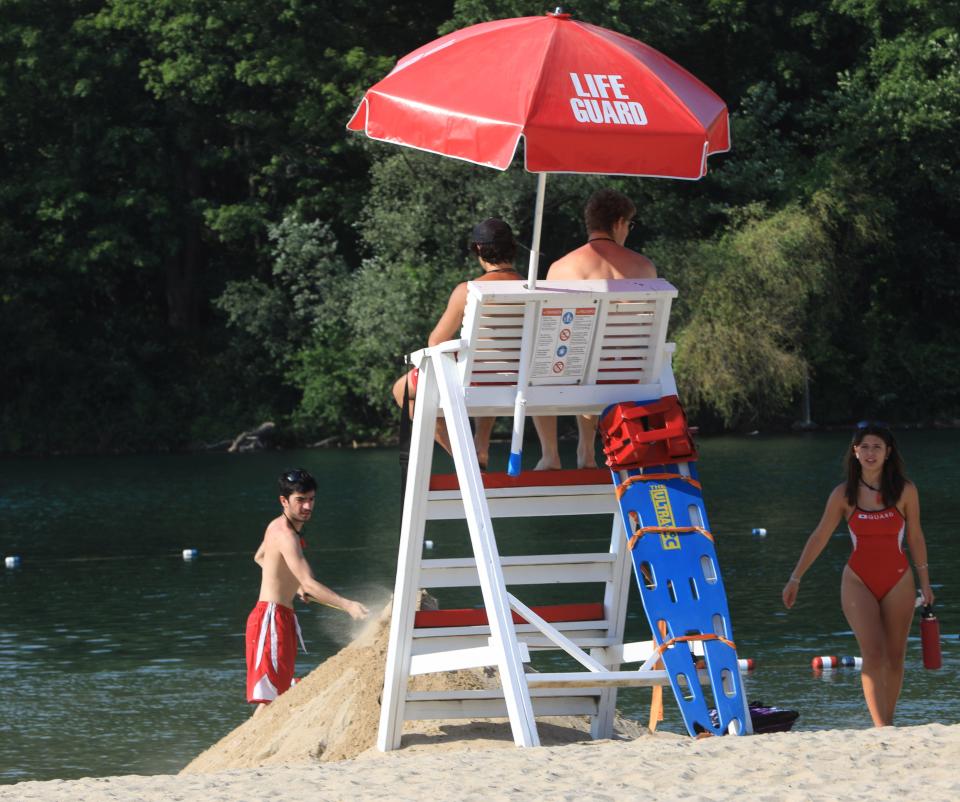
x: 272, y: 628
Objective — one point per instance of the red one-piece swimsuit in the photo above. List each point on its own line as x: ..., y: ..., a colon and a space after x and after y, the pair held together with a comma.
x: 877, y: 556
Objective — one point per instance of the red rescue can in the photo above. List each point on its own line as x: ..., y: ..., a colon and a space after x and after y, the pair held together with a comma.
x: 930, y: 637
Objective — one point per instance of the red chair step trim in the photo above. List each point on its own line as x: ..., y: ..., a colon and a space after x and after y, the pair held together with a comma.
x: 472, y: 617
x: 572, y: 476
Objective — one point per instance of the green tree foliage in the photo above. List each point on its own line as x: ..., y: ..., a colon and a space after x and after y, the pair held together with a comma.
x: 298, y: 319
x: 897, y: 112
x: 740, y: 325
x: 147, y: 147
x: 192, y: 242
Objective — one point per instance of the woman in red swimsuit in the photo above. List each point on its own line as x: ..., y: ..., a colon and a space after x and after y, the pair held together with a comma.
x: 882, y: 510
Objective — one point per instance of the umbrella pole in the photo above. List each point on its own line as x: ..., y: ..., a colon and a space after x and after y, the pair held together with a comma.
x: 537, y: 226
x: 519, y: 407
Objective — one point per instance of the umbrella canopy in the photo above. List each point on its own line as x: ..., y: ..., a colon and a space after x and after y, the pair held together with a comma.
x: 586, y: 100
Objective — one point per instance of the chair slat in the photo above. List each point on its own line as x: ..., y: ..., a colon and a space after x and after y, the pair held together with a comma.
x: 623, y: 352
x: 612, y: 331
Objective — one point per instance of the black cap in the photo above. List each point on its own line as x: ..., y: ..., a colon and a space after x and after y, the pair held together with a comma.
x: 491, y: 231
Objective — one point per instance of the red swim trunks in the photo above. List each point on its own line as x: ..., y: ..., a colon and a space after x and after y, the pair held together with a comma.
x: 272, y: 633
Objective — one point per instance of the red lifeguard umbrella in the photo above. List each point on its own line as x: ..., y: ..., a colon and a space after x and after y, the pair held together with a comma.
x: 585, y: 99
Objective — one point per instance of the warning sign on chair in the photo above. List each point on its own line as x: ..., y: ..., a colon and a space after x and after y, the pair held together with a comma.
x: 563, y: 343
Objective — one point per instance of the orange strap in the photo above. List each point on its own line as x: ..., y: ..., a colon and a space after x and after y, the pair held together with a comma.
x: 654, y: 477
x: 682, y: 530
x: 656, y: 699
x: 684, y: 638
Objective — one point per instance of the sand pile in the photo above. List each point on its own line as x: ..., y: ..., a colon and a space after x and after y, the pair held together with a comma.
x: 334, y: 712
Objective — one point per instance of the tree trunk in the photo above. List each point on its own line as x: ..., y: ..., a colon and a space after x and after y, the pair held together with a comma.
x: 183, y: 267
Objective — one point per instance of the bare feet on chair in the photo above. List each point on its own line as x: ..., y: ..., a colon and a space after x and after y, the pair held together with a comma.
x: 585, y: 460
x: 586, y: 441
x: 547, y: 432
x: 482, y: 427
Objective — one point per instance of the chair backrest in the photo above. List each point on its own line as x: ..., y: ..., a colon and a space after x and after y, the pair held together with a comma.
x: 581, y: 335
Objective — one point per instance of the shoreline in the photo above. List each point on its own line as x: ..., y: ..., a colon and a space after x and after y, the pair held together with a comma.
x: 874, y: 764
x: 391, y: 441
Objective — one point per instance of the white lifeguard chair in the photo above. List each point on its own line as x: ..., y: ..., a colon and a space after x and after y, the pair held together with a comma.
x: 565, y: 347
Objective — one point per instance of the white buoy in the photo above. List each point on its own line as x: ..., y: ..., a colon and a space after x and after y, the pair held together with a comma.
x: 190, y: 554
x: 828, y: 662
x: 428, y: 544
x: 13, y: 561
x: 759, y: 531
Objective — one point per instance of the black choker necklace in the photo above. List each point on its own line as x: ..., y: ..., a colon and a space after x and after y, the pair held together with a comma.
x: 299, y: 532
x: 865, y: 484
x: 291, y: 524
x: 501, y: 270
x: 608, y: 239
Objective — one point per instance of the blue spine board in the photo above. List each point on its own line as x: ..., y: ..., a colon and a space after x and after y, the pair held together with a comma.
x: 680, y: 583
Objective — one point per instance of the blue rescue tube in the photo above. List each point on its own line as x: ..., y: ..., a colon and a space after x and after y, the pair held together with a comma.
x: 678, y: 574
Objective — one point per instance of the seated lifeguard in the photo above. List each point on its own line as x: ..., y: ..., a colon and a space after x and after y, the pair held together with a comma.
x: 609, y: 216
x: 493, y: 243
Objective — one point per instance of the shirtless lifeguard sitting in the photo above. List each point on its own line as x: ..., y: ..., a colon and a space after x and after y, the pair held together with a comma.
x: 609, y: 217
x: 272, y: 628
x: 493, y: 243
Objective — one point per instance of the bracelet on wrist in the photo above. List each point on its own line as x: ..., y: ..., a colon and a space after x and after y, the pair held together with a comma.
x: 922, y: 567
x: 794, y: 579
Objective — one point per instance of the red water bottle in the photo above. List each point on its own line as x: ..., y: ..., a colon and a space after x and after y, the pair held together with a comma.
x: 930, y: 637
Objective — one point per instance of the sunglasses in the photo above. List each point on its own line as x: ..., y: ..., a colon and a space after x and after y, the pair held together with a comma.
x: 296, y: 476
x: 879, y: 424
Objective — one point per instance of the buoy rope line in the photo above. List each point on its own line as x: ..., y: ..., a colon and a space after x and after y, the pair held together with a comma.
x: 166, y: 554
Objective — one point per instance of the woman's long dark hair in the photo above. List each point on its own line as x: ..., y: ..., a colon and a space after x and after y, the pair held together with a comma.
x: 892, y: 479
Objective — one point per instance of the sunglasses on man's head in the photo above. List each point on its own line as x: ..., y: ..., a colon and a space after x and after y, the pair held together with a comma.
x: 295, y: 476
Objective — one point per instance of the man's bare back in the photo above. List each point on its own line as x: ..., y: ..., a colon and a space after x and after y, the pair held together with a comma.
x: 609, y: 217
x: 602, y: 258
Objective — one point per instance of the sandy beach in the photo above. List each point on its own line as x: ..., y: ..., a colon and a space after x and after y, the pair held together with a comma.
x: 316, y: 742
x: 892, y: 763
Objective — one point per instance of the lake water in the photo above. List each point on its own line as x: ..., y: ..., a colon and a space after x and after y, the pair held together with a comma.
x: 116, y: 656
